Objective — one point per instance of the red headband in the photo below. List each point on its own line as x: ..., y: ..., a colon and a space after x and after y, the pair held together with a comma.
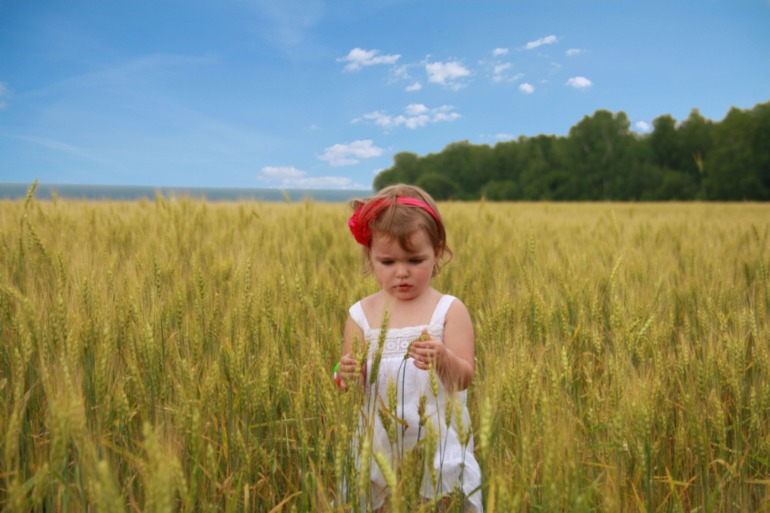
x: 359, y: 222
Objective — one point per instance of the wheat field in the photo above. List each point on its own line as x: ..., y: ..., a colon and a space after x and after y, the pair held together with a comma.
x: 175, y: 355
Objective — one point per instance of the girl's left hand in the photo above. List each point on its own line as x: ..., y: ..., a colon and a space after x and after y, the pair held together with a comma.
x: 427, y: 352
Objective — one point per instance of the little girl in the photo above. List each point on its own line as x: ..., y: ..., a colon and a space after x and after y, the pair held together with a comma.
x: 417, y: 370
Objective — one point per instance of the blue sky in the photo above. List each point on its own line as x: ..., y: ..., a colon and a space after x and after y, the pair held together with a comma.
x: 323, y: 94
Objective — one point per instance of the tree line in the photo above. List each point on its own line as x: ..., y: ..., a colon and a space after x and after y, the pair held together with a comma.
x: 601, y: 158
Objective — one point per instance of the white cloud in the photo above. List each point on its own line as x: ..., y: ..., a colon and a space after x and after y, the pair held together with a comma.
x: 501, y: 71
x: 415, y: 109
x: 349, y: 154
x: 498, y: 73
x: 289, y: 177
x: 527, y: 88
x: 357, y: 58
x: 282, y: 172
x: 415, y: 115
x: 446, y: 73
x: 401, y: 72
x: 572, y: 52
x: 323, y: 182
x: 444, y: 113
x: 547, y: 40
x: 642, y: 126
x: 579, y: 82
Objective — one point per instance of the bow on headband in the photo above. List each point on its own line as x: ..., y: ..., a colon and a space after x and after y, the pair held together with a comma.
x: 359, y: 222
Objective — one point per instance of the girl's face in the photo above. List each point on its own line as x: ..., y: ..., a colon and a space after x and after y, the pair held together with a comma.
x: 404, y: 274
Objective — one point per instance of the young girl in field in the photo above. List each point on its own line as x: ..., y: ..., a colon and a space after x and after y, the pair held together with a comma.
x: 412, y: 350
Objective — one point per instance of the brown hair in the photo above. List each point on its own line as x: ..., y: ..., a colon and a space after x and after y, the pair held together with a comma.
x: 399, y: 222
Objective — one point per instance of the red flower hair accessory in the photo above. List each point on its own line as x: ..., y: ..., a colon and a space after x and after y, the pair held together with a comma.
x: 359, y: 223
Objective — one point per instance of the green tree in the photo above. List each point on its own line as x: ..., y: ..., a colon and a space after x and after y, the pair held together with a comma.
x: 601, y: 159
x: 406, y: 169
x: 759, y: 145
x: 505, y: 164
x: 535, y: 168
x: 437, y: 185
x: 600, y: 147
x: 501, y: 190
x: 466, y: 165
x: 733, y: 171
x: 696, y: 139
x: 664, y: 142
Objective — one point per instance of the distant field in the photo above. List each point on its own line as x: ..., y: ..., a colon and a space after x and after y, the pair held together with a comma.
x: 47, y: 191
x: 176, y: 355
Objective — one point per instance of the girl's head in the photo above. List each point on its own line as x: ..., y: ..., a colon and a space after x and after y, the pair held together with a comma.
x: 397, y: 212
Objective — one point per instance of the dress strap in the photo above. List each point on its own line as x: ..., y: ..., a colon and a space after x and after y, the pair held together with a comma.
x: 357, y: 314
x: 439, y: 314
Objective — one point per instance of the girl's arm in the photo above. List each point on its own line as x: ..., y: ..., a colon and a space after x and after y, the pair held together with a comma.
x: 348, y: 369
x: 454, y: 359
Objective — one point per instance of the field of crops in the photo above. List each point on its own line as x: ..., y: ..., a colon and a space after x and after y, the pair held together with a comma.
x: 176, y: 355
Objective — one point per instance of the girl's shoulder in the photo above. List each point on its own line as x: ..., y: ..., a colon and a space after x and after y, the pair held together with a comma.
x: 372, y: 302
x: 456, y: 303
x: 457, y: 309
x: 372, y: 307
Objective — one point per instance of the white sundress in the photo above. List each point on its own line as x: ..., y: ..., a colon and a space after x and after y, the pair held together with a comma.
x: 455, y: 464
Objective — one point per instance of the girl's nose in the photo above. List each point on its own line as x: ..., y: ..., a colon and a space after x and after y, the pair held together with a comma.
x: 401, y: 271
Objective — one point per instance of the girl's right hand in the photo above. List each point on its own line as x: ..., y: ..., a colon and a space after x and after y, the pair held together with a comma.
x: 348, y: 371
